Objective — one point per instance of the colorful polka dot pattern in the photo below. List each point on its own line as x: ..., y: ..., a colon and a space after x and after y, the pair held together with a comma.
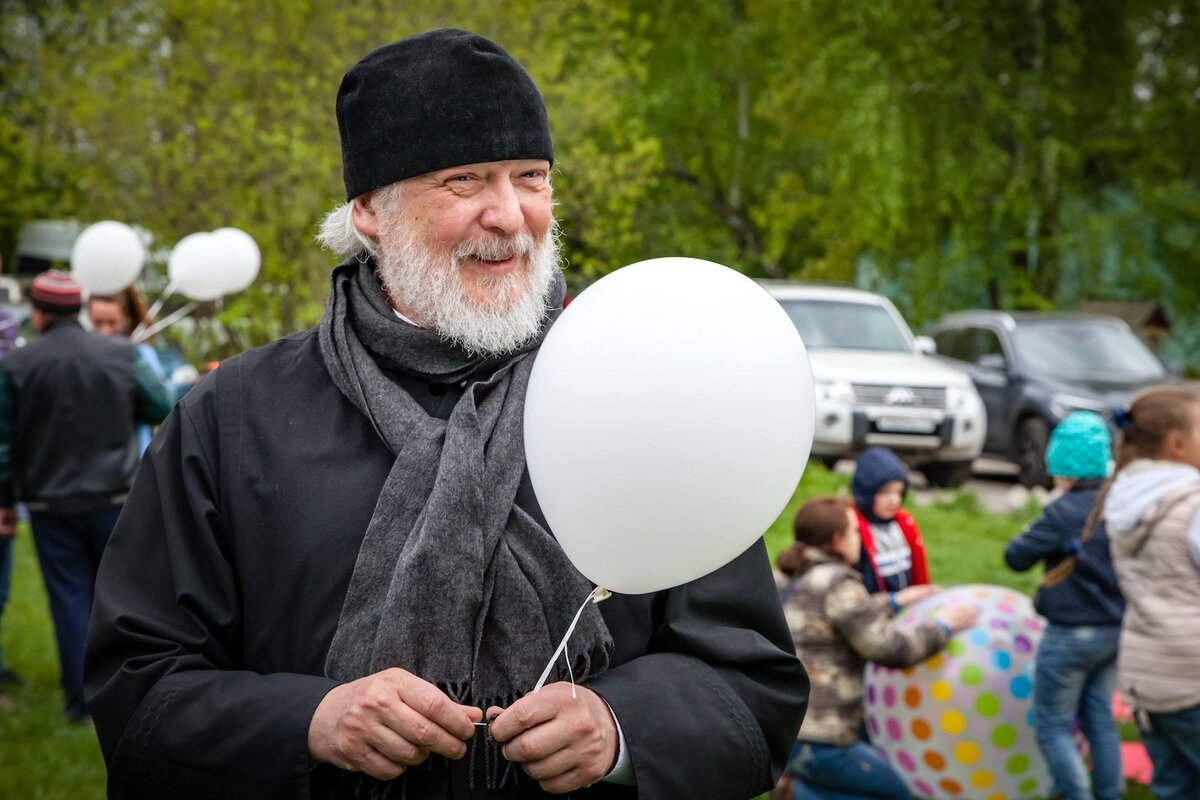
x: 960, y: 725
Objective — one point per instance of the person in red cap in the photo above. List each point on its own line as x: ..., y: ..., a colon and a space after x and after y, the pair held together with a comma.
x: 68, y: 405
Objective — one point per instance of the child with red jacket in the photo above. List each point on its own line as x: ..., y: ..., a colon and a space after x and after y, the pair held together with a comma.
x: 893, y: 555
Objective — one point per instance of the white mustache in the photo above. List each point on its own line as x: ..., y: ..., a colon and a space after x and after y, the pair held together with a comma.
x: 495, y: 248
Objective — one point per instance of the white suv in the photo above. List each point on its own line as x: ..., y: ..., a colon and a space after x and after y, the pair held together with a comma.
x: 877, y: 385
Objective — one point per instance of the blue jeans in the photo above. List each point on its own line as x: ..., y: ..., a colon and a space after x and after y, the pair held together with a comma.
x: 1074, y: 678
x: 1173, y: 742
x: 835, y: 772
x: 69, y: 547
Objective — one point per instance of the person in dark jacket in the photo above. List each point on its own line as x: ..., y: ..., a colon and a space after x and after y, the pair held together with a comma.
x: 1081, y: 600
x: 352, y: 571
x: 69, y: 402
x: 893, y: 553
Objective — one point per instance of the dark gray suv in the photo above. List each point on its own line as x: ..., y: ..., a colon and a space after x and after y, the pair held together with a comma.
x: 1033, y: 369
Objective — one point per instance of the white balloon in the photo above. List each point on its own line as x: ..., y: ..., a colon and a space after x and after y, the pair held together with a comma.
x: 107, y: 257
x: 199, y: 267
x: 668, y: 420
x: 245, y: 254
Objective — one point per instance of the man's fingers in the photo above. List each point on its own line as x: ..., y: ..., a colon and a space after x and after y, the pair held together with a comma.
x: 567, y: 782
x: 379, y: 766
x: 538, y: 743
x: 394, y: 747
x: 426, y: 734
x: 432, y: 704
x: 550, y: 767
x: 530, y: 710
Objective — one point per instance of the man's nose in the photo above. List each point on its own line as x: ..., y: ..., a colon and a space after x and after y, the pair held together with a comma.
x: 503, y: 213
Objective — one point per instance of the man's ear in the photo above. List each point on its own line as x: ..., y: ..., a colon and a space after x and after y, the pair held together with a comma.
x: 363, y: 215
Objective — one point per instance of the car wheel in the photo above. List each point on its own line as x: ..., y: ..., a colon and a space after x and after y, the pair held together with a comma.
x: 947, y: 474
x: 829, y: 462
x: 1032, y: 436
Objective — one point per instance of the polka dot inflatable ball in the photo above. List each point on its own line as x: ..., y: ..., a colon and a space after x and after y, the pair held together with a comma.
x: 960, y: 724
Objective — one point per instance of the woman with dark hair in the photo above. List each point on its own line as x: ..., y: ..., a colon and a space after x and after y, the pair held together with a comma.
x: 118, y: 315
x: 837, y: 627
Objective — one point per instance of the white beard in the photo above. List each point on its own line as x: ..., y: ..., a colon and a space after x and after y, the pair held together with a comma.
x: 427, y: 282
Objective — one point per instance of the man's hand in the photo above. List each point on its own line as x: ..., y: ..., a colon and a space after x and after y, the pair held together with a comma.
x: 8, y: 522
x: 563, y: 742
x: 387, y: 722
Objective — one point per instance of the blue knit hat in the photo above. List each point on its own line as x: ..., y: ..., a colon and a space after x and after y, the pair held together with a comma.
x: 1080, y: 447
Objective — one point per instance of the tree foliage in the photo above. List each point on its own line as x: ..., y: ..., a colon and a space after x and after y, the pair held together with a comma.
x: 954, y: 153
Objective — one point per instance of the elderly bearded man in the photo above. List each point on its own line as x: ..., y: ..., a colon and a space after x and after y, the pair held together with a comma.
x: 333, y: 565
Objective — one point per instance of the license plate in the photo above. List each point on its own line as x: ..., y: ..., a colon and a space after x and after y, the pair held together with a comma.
x: 906, y: 424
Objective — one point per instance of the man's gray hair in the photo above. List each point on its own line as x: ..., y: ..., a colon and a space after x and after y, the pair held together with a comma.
x: 341, y: 236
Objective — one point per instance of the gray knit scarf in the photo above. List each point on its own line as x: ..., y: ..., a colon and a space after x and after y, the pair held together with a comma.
x: 454, y: 582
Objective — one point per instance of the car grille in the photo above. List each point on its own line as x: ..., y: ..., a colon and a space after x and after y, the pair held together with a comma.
x: 900, y: 396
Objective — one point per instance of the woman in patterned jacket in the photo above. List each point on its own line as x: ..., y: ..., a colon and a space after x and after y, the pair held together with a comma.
x: 838, y: 627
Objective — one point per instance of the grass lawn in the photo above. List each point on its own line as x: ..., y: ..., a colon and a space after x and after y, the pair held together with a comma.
x: 42, y: 756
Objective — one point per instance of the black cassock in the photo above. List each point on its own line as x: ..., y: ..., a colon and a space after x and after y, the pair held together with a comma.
x: 223, y: 583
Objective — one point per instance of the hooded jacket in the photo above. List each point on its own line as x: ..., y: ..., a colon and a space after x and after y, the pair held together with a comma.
x: 877, y: 467
x: 1153, y: 517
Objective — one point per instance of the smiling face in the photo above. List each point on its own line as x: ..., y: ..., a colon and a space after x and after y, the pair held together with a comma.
x: 107, y: 317
x: 470, y: 251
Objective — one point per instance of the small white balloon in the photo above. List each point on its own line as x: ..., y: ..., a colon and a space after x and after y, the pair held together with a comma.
x: 668, y: 419
x: 199, y: 267
x: 246, y: 258
x: 107, y: 257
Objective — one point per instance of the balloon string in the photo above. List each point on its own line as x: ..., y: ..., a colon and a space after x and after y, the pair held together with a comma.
x: 154, y: 309
x: 141, y: 334
x: 598, y: 594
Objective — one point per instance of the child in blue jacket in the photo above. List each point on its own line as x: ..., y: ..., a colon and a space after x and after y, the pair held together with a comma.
x: 1080, y: 598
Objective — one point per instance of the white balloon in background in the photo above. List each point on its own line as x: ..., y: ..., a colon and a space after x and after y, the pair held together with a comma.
x: 107, y: 257
x: 668, y: 420
x: 246, y: 258
x: 199, y: 267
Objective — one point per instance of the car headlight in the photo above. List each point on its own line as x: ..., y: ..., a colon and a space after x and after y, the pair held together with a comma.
x: 835, y: 392
x: 959, y: 398
x: 1064, y: 404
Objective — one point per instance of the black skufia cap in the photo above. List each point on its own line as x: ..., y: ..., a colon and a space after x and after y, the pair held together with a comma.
x: 435, y: 100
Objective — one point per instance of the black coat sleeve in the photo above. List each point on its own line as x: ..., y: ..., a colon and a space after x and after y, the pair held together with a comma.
x: 712, y: 705
x: 175, y: 712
